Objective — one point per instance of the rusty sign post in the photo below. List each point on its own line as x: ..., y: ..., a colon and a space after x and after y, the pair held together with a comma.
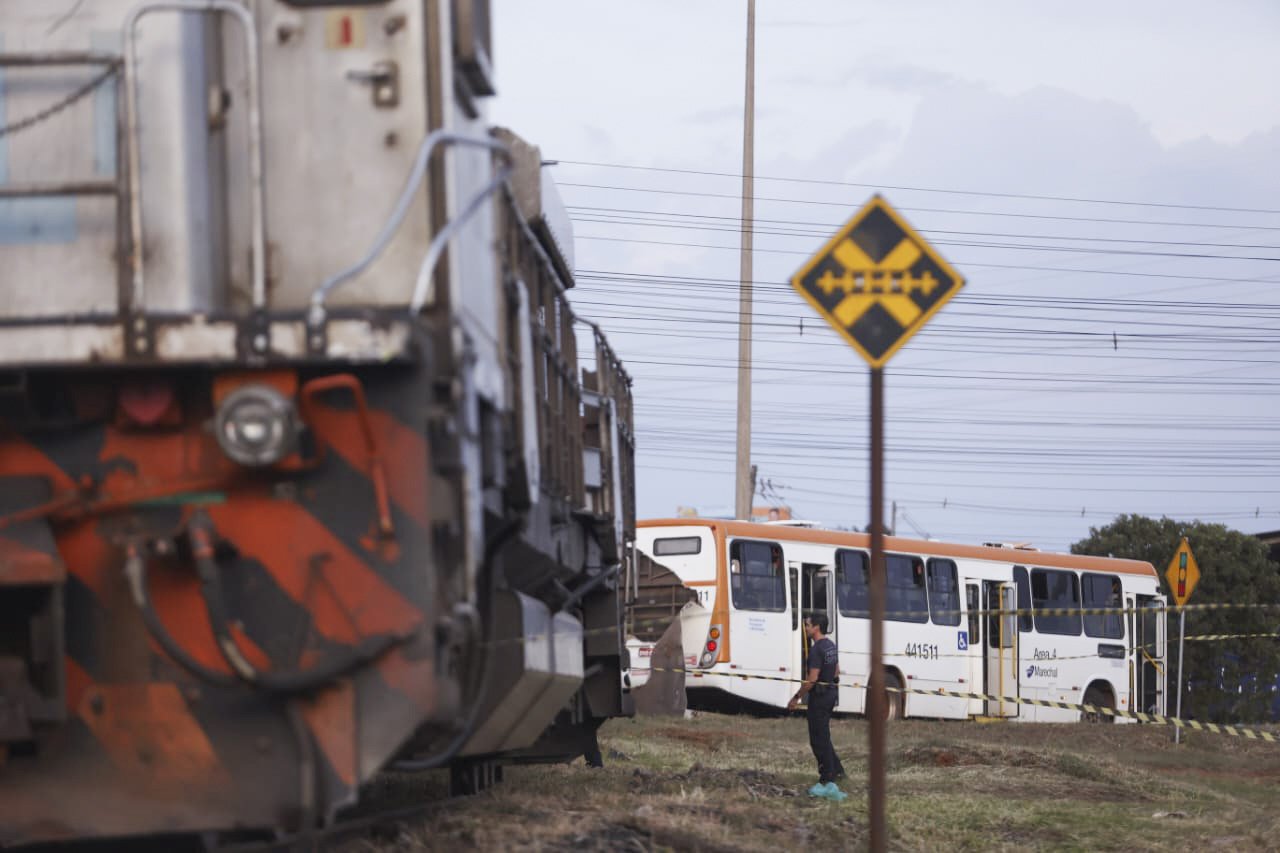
x: 1183, y: 574
x: 877, y: 282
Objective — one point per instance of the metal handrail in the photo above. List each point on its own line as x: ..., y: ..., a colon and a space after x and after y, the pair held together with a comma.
x: 65, y: 188
x: 257, y: 204
x: 422, y: 287
x: 398, y: 213
x: 56, y: 58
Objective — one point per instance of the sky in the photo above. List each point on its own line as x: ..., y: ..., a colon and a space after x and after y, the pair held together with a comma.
x: 1105, y: 176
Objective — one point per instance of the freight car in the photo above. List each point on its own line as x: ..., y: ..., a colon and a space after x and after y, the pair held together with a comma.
x: 303, y: 472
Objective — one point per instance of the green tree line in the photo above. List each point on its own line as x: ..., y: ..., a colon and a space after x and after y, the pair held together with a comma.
x: 1224, y: 681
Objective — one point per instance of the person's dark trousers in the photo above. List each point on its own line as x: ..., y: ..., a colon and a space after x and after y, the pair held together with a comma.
x: 821, y: 705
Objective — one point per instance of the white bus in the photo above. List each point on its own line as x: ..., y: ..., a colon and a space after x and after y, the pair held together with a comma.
x: 746, y: 587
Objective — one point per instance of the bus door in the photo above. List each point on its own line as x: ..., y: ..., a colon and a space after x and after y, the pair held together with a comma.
x: 975, y: 672
x: 1147, y: 628
x: 817, y: 595
x: 759, y: 623
x: 1001, y: 648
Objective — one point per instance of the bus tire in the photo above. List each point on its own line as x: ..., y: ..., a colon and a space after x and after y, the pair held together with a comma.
x: 1099, y: 696
x: 894, y: 701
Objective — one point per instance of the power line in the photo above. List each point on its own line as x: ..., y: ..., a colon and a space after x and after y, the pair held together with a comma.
x: 955, y: 313
x: 960, y: 243
x: 982, y: 193
x: 671, y: 278
x: 811, y: 341
x: 987, y: 331
x: 1020, y: 488
x: 1215, y: 279
x: 829, y: 227
x: 846, y: 206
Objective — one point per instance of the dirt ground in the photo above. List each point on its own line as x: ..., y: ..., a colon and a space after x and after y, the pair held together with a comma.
x: 719, y: 783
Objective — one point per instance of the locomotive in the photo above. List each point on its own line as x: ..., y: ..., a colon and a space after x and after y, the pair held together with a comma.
x: 307, y: 467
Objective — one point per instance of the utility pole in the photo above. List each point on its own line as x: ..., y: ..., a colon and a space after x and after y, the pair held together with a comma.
x: 744, y: 485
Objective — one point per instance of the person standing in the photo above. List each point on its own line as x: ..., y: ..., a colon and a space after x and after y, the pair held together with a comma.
x: 823, y: 671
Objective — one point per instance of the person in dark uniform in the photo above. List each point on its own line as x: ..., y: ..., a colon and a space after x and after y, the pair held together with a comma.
x: 823, y: 670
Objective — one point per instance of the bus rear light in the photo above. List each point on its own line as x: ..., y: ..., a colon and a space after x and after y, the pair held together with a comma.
x: 711, y: 647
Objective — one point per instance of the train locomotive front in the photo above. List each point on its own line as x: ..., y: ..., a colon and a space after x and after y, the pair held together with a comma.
x: 302, y: 473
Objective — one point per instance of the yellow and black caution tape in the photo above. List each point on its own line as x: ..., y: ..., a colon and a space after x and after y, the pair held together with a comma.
x: 663, y: 623
x: 1159, y: 665
x: 1055, y: 611
x: 1078, y: 611
x: 977, y: 653
x: 1219, y: 637
x: 1155, y: 719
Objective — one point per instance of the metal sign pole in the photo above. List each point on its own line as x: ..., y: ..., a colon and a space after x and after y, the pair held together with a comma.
x: 877, y: 282
x: 1182, y: 632
x: 876, y: 694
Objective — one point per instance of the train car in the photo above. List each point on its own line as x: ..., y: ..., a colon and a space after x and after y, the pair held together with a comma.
x: 306, y: 466
x: 739, y: 592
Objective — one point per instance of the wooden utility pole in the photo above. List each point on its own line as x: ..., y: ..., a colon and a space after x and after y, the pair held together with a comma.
x: 744, y: 487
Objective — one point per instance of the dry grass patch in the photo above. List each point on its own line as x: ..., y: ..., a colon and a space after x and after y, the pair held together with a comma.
x: 718, y: 783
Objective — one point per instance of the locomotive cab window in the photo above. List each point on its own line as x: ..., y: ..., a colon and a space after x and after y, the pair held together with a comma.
x: 757, y: 579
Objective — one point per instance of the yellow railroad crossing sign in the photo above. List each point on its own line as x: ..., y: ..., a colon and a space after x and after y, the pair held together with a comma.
x: 877, y: 281
x: 1183, y: 574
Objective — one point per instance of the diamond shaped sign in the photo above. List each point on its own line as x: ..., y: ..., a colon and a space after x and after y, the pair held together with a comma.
x: 1183, y: 574
x: 877, y: 281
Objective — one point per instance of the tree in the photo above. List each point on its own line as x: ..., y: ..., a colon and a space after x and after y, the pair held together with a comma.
x: 1229, y: 680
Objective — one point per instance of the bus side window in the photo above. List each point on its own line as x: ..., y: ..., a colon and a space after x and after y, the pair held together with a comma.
x: 759, y: 578
x: 1054, y: 591
x: 1101, y: 591
x: 974, y: 603
x: 852, y: 575
x: 904, y: 593
x: 944, y: 592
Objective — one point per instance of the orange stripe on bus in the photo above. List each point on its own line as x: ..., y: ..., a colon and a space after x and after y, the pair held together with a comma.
x: 840, y: 539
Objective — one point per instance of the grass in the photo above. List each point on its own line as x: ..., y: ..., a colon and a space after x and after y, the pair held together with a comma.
x: 719, y: 783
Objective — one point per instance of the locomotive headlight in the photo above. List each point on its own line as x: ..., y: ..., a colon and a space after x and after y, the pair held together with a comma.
x: 256, y: 425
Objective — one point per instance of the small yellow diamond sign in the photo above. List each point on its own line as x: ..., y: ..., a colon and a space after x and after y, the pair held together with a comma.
x: 877, y: 282
x: 1183, y: 574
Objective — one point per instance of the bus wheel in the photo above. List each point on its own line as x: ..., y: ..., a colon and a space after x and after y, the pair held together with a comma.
x: 894, y: 700
x: 1098, y: 698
